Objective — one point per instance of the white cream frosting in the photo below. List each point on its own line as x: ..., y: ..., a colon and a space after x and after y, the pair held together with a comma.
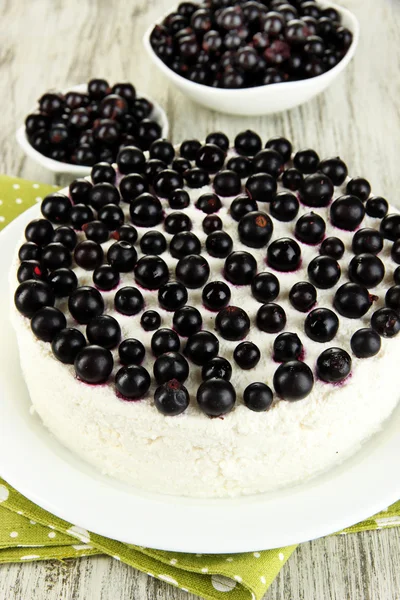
x: 245, y: 452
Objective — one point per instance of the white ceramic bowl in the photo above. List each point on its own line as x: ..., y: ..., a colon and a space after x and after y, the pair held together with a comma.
x: 57, y: 166
x: 265, y: 99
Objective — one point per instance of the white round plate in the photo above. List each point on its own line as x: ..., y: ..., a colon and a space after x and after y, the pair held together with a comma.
x: 56, y: 166
x: 44, y: 471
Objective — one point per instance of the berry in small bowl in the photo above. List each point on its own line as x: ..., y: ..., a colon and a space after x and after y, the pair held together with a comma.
x: 70, y: 132
x: 247, y: 58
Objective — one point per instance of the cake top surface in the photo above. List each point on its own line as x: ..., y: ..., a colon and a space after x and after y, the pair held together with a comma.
x: 214, y: 275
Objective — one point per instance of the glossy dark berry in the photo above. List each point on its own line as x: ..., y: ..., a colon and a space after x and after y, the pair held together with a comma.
x: 52, y: 104
x: 47, y: 322
x: 366, y: 269
x: 217, y: 367
x: 248, y: 143
x: 232, y: 323
x: 132, y: 382
x: 258, y: 397
x: 166, y: 182
x: 365, y: 343
x: 93, y: 364
x: 164, y: 340
x: 30, y: 251
x: 85, y: 303
x: 56, y: 208
x: 210, y: 158
x: 211, y: 223
x: 55, y: 256
x: 242, y: 205
x: 171, y: 398
x: 153, y: 242
x: 179, y: 199
x: 208, y: 203
x: 321, y: 325
x: 189, y: 148
x: 352, y: 300
x: 192, y: 271
x: 104, y: 331
x: 88, y: 255
x: 36, y: 122
x: 131, y: 159
x: 306, y: 161
x: 39, y: 232
x: 390, y: 227
x: 386, y: 322
x: 148, y: 132
x: 292, y: 179
x: 102, y: 194
x: 271, y: 318
x: 79, y: 191
x: 170, y: 365
x: 284, y: 254
x: 284, y: 206
x: 227, y: 183
x: 216, y: 397
x: 310, y: 229
x: 152, y: 167
x: 63, y: 282
x: 241, y: 165
x: 176, y: 222
x: 216, y: 295
x: 184, y: 244
x: 131, y: 186
x: 324, y: 272
x: 67, y: 344
x: 359, y: 187
x: 376, y: 207
x: 126, y: 233
x: 395, y: 251
x: 293, y: 380
x: 303, y: 296
x: 335, y: 169
x: 240, y: 268
x: 98, y: 88
x: 128, y: 301
x: 79, y: 215
x: 333, y: 365
x: 146, y: 211
x: 105, y: 278
x: 287, y: 346
x: 392, y: 298
x: 255, y: 229
x: 347, y: 212
x: 172, y: 296
x: 333, y: 247
x: 163, y: 150
x: 187, y: 321
x: 219, y: 244
x: 96, y: 231
x: 281, y: 145
x: 268, y: 161
x: 201, y: 347
x: 219, y: 139
x: 31, y: 269
x: 122, y: 256
x: 261, y: 187
x: 131, y: 352
x: 247, y: 355
x: 180, y: 165
x: 197, y: 178
x: 396, y: 276
x: 103, y: 172
x: 150, y: 320
x: 317, y: 190
x: 265, y: 287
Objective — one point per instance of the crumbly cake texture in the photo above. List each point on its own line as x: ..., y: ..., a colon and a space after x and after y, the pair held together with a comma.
x: 244, y: 452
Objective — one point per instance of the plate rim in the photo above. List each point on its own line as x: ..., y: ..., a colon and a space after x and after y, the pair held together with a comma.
x: 338, y: 498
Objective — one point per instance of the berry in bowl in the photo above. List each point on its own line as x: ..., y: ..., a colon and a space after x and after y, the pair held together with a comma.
x: 72, y: 131
x: 253, y: 58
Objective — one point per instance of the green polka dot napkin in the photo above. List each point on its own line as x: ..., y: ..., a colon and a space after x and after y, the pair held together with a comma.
x: 29, y: 533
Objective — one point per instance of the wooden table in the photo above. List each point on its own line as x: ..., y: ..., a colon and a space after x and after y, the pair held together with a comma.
x: 49, y: 44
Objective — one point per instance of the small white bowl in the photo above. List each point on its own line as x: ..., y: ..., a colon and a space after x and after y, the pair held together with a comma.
x: 57, y: 166
x: 265, y: 99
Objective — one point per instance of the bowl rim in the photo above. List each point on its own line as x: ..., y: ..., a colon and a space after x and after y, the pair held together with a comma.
x: 57, y: 166
x: 287, y: 85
